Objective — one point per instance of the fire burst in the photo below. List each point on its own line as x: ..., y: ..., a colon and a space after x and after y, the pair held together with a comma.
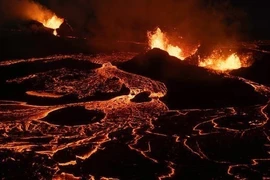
x: 221, y: 63
x: 230, y: 63
x: 54, y: 23
x: 215, y: 61
x: 158, y: 39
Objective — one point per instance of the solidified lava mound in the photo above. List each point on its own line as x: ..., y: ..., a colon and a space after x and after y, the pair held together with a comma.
x: 191, y: 86
x: 142, y: 97
x: 69, y: 79
x: 23, y: 69
x: 29, y: 39
x: 71, y: 116
x: 40, y: 42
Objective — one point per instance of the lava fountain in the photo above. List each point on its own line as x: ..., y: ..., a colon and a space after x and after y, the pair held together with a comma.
x: 158, y: 39
x: 221, y: 63
x: 31, y: 10
x: 216, y: 61
x: 54, y: 23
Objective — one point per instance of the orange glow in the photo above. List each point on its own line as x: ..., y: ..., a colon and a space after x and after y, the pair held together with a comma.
x: 221, y: 63
x: 158, y: 39
x: 54, y: 23
x: 43, y: 94
x: 55, y: 32
x: 35, y: 11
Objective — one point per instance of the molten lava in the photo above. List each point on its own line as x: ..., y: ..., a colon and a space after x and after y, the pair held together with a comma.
x: 54, y: 23
x: 216, y: 61
x: 158, y: 39
x: 221, y: 63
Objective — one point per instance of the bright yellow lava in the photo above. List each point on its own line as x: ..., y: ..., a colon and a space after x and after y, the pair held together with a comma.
x: 218, y: 62
x: 54, y: 23
x: 158, y: 39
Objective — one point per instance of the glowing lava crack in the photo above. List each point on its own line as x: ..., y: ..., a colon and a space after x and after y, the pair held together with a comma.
x: 90, y: 129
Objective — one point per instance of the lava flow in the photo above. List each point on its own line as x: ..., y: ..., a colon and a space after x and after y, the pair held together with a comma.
x: 177, y: 111
x: 94, y: 127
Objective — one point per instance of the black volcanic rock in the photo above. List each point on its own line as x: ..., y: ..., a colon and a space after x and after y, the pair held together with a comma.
x: 204, y: 50
x: 27, y: 39
x: 65, y: 30
x: 52, y: 75
x: 16, y: 165
x: 259, y: 71
x: 191, y: 86
x: 158, y: 65
x: 71, y: 116
x: 37, y: 42
x: 26, y: 26
x: 24, y: 69
x: 142, y: 97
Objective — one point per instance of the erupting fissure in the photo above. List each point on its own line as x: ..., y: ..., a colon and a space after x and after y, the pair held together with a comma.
x: 34, y: 11
x: 216, y: 61
x: 158, y: 39
x: 54, y: 23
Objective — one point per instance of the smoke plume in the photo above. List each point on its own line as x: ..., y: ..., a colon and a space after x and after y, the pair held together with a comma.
x: 23, y: 10
x: 108, y: 20
x: 129, y: 20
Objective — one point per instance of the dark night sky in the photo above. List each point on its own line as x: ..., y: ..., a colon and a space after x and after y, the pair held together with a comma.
x: 258, y: 16
x: 249, y: 17
x: 256, y: 23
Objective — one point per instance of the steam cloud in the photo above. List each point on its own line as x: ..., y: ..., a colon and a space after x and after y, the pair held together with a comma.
x: 24, y: 9
x: 129, y: 20
x: 195, y: 20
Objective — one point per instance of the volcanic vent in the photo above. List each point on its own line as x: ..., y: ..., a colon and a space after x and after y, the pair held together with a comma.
x: 173, y: 110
